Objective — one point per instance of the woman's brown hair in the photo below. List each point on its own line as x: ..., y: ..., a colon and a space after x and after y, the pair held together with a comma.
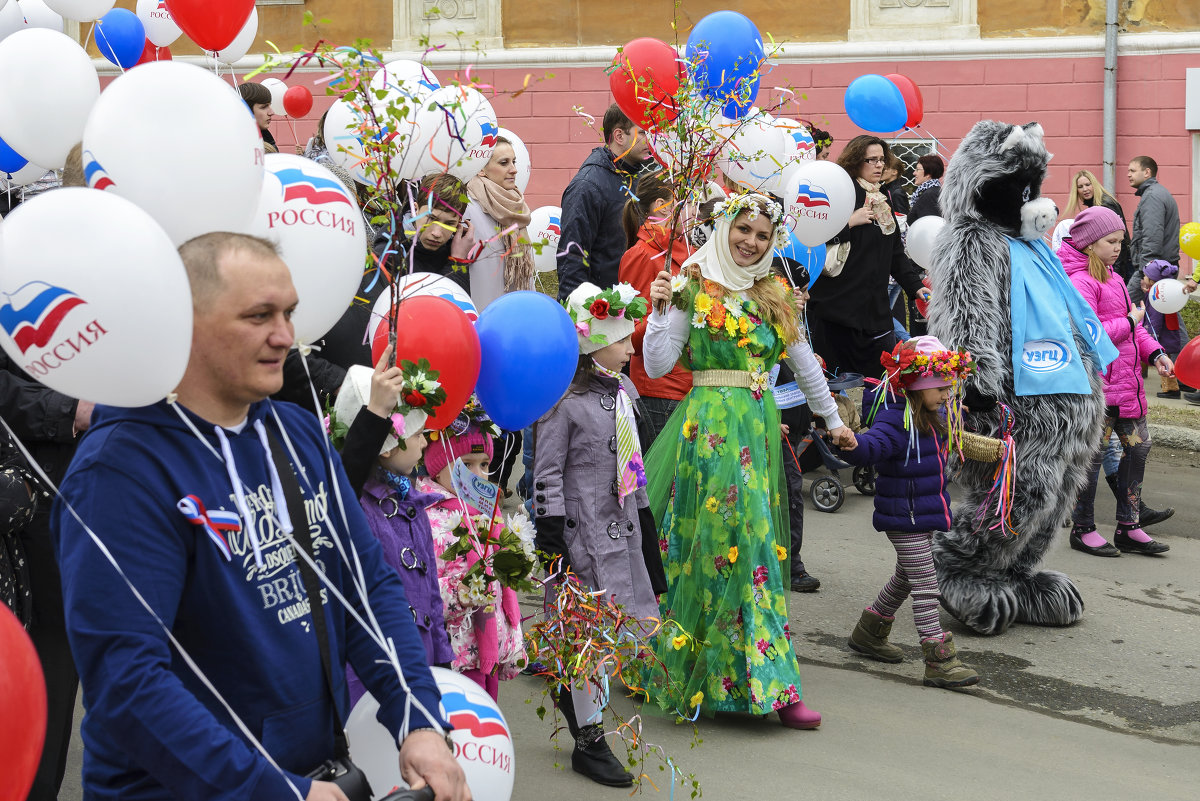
x: 854, y: 155
x: 651, y: 190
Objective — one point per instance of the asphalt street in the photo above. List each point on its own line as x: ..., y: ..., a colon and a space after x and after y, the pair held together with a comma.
x: 1106, y: 709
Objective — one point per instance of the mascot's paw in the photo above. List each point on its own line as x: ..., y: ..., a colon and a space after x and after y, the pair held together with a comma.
x: 983, y: 607
x: 1048, y: 598
x: 1037, y: 217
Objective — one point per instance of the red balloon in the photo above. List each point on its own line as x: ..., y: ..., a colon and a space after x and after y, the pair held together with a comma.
x: 435, y: 329
x: 297, y: 101
x: 923, y: 305
x: 151, y: 53
x: 212, y: 24
x: 1187, y: 366
x: 645, y: 79
x: 912, y: 99
x: 22, y: 707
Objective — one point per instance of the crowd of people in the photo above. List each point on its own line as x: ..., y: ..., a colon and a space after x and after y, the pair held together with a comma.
x: 662, y: 477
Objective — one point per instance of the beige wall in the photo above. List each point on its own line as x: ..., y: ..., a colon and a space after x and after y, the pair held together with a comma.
x: 1066, y: 17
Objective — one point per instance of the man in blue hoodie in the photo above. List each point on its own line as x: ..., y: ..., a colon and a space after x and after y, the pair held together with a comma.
x: 592, y: 236
x: 186, y: 498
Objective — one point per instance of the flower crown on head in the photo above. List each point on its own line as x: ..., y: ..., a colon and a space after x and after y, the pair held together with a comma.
x: 472, y: 414
x: 420, y: 391
x: 621, y: 301
x: 905, y: 364
x: 750, y: 203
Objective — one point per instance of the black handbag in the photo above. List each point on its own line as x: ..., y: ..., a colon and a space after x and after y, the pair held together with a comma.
x: 340, y: 770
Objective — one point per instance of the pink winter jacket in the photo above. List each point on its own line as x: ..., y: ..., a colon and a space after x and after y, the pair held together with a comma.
x: 1123, y: 385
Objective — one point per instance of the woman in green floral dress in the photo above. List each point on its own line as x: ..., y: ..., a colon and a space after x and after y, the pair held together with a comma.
x: 715, y: 472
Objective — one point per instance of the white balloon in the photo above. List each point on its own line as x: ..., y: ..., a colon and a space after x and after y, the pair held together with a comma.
x: 277, y: 89
x: 755, y: 151
x: 524, y: 168
x: 343, y: 138
x: 1167, y: 296
x: 241, y: 43
x: 316, y: 222
x: 193, y: 158
x: 11, y: 18
x: 820, y: 199
x: 48, y: 89
x: 482, y: 739
x: 806, y: 149
x: 416, y: 284
x: 410, y: 77
x: 22, y: 177
x: 81, y: 10
x: 545, y: 231
x: 38, y: 15
x: 106, y: 313
x: 921, y: 238
x: 456, y: 131
x: 160, y: 26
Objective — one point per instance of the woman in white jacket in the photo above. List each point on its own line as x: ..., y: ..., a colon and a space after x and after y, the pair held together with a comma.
x: 499, y: 215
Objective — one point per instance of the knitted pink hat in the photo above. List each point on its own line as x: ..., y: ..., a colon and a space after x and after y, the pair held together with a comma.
x: 447, y: 447
x: 1092, y: 224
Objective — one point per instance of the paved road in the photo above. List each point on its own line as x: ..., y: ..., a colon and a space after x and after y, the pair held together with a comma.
x: 1106, y: 709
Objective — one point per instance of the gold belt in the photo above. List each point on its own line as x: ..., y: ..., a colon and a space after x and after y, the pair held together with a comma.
x: 723, y: 378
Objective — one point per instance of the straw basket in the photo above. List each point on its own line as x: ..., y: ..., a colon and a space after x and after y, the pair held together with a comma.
x: 979, y: 448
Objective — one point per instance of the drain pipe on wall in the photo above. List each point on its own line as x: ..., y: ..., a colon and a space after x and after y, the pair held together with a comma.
x: 1110, y: 94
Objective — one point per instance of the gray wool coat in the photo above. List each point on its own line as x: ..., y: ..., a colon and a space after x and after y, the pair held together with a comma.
x: 575, y: 472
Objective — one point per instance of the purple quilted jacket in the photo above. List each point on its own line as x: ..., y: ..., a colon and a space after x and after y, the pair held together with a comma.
x: 1123, y: 384
x: 910, y: 484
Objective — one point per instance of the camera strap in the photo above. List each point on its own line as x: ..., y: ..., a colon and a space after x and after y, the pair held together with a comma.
x: 312, y: 584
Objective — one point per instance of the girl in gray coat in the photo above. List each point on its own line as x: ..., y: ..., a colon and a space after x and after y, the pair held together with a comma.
x: 590, y: 498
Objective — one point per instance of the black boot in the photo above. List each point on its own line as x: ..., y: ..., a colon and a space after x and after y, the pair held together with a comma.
x: 593, y: 758
x: 1148, y: 516
x: 562, y: 700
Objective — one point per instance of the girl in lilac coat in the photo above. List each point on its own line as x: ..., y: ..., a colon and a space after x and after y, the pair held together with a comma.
x: 1088, y: 256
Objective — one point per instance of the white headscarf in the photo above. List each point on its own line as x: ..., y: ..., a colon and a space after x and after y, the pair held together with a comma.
x: 716, y: 260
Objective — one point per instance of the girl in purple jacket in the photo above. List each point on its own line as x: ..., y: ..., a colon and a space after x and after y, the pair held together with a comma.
x: 907, y: 445
x: 1088, y: 257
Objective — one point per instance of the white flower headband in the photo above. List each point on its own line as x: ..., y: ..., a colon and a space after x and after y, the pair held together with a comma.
x: 751, y: 204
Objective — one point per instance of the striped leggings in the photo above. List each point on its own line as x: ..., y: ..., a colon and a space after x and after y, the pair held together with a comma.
x: 915, y: 576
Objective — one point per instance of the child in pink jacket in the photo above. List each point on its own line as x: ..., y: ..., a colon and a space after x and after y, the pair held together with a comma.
x: 1087, y: 257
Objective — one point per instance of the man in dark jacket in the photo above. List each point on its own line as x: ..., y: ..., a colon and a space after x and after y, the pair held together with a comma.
x: 1156, y: 221
x: 592, y: 203
x: 47, y: 423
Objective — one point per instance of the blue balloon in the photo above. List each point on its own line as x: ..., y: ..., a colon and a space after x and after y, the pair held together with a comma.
x: 121, y: 37
x: 724, y: 52
x: 528, y: 354
x: 10, y: 160
x: 813, y: 259
x: 875, y: 104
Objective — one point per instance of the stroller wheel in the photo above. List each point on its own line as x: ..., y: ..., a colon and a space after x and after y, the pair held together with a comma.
x: 827, y: 494
x: 864, y: 480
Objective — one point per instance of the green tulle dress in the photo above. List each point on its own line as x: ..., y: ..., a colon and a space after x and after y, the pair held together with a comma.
x: 715, y: 483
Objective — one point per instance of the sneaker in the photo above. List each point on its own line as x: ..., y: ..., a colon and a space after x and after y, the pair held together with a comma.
x: 805, y: 582
x: 1170, y: 394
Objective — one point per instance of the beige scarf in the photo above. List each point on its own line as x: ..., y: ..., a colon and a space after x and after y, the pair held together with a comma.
x: 507, y: 207
x: 880, y: 210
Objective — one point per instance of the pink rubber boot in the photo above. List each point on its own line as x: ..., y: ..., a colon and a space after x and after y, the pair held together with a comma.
x: 798, y: 716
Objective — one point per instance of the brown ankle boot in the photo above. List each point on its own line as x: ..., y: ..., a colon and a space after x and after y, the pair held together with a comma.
x: 942, y: 665
x: 870, y: 638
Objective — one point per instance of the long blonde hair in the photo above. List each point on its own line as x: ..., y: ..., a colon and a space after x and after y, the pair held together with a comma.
x: 1096, y: 268
x: 1075, y: 202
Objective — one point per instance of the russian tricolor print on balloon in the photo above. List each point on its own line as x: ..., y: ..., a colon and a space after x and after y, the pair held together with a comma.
x: 480, y: 720
x: 811, y: 196
x: 490, y: 132
x: 299, y: 185
x: 94, y: 174
x: 33, y: 313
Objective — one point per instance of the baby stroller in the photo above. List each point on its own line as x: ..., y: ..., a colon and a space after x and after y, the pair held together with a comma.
x: 828, y: 492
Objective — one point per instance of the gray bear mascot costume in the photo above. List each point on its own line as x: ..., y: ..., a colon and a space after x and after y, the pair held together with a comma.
x: 1002, y: 295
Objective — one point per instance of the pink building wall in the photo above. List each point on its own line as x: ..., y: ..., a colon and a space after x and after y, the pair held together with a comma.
x: 1064, y: 94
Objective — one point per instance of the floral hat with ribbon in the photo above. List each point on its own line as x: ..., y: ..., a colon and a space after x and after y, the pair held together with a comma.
x: 604, y: 316
x: 420, y: 395
x: 924, y: 362
x: 752, y: 203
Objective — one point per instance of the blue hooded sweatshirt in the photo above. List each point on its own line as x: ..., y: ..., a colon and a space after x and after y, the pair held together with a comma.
x: 152, y: 730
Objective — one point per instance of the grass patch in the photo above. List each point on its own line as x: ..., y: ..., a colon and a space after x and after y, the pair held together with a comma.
x: 1184, y: 417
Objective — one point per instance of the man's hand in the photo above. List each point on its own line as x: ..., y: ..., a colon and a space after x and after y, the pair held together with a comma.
x: 844, y: 438
x: 83, y: 415
x: 1189, y: 286
x: 325, y: 791
x: 425, y: 760
x: 463, y: 241
x: 386, y: 384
